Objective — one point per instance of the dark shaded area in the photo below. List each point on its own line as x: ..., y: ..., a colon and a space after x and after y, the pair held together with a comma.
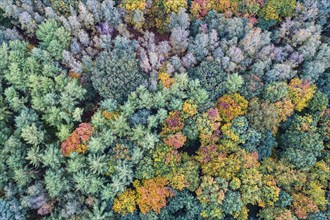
x: 4, y: 21
x: 253, y: 211
x: 191, y: 146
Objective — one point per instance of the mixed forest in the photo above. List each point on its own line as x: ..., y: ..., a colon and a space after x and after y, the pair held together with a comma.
x: 164, y: 109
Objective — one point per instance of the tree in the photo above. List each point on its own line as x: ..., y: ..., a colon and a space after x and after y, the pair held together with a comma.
x: 125, y: 203
x: 54, y: 39
x: 231, y: 106
x: 119, y: 75
x: 211, y: 76
x: 152, y: 194
x: 301, y: 142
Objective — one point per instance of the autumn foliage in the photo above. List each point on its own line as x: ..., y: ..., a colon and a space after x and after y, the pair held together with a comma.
x: 152, y: 194
x: 76, y: 142
x: 231, y: 106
